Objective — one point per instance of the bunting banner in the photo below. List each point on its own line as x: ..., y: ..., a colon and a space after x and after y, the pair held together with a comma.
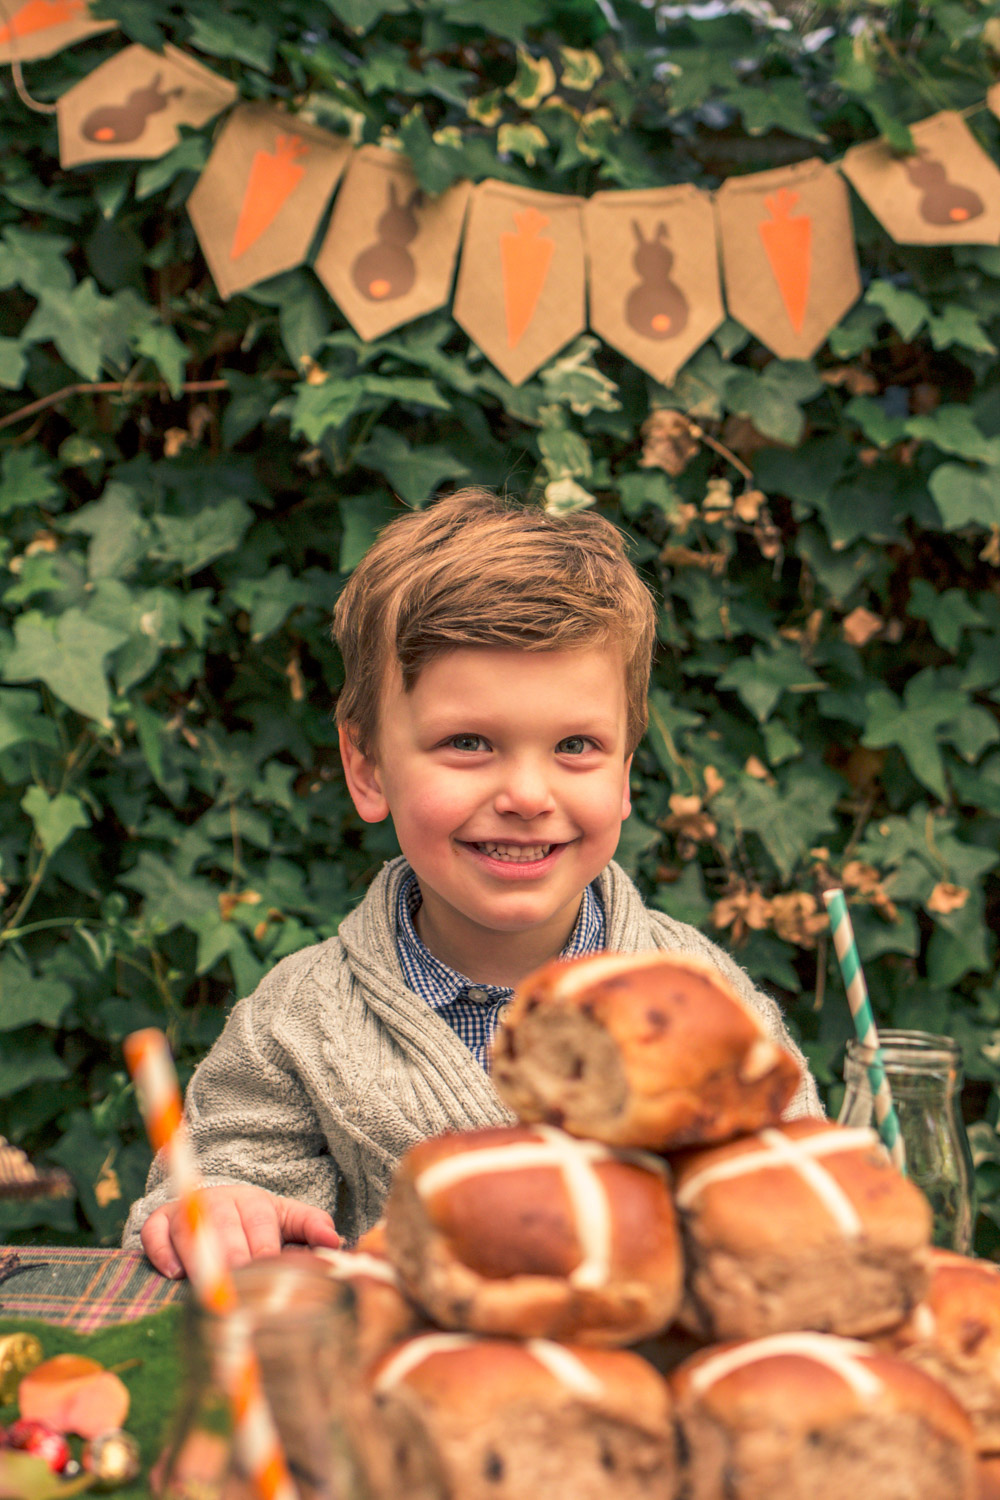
x: 129, y: 108
x: 39, y: 28
x: 521, y: 295
x: 788, y: 253
x: 948, y: 193
x: 390, y: 251
x: 264, y: 190
x: 647, y: 259
x: 653, y: 274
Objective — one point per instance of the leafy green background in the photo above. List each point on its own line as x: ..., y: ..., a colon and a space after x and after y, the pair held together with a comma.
x: 185, y: 483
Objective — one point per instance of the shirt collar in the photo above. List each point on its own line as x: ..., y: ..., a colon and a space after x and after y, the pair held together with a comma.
x: 440, y: 985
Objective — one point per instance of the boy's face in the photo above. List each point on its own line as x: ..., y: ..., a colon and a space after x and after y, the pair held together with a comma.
x: 506, y: 778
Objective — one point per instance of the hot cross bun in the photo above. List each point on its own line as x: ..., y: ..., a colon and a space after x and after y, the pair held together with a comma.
x: 954, y: 1334
x: 806, y: 1416
x: 646, y: 1049
x: 526, y: 1231
x: 804, y: 1225
x: 454, y: 1417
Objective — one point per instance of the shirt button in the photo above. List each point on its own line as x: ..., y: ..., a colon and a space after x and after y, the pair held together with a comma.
x: 477, y: 994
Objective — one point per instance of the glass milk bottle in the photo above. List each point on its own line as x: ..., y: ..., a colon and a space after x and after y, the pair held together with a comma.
x: 924, y: 1072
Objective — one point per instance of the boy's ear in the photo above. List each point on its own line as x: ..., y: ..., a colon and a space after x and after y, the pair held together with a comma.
x: 363, y: 780
x: 626, y: 791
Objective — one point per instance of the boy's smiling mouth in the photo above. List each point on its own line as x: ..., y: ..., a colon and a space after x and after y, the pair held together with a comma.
x: 516, y: 853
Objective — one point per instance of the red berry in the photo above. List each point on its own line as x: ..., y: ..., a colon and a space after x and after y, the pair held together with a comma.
x: 41, y: 1441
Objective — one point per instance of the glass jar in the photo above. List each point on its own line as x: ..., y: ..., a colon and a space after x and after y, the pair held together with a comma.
x: 291, y: 1308
x: 924, y: 1072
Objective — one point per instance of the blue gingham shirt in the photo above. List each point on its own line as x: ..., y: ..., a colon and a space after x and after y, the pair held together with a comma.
x: 473, y: 1010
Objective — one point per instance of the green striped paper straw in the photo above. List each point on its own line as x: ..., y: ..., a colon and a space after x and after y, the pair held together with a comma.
x: 864, y: 1024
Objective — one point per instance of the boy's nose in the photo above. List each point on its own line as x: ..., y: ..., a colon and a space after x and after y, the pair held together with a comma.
x: 524, y: 790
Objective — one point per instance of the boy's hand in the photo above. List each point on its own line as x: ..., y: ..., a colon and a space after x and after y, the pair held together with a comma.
x: 248, y: 1222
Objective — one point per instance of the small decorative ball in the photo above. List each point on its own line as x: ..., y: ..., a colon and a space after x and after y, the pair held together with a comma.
x: 112, y: 1458
x: 41, y: 1441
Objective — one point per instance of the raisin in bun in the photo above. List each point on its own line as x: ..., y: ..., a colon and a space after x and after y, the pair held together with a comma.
x: 525, y: 1231
x: 454, y: 1417
x: 806, y: 1416
x: 644, y: 1049
x: 954, y: 1333
x: 803, y: 1225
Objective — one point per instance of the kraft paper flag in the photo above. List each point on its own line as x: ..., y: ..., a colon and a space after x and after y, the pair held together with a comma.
x: 130, y: 107
x: 265, y: 187
x: 653, y: 274
x: 390, y: 252
x: 38, y: 28
x: 948, y: 193
x: 520, y: 292
x: 790, y: 264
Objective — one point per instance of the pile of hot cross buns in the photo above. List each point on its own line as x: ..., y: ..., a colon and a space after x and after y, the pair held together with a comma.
x: 653, y: 1288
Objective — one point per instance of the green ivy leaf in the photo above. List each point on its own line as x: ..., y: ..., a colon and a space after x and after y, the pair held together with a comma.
x: 782, y: 105
x: 878, y: 428
x: 21, y: 723
x: 771, y: 400
x: 959, y: 325
x: 55, y: 818
x: 68, y: 655
x: 414, y: 471
x: 76, y: 322
x: 13, y: 363
x: 955, y: 430
x: 575, y: 381
x: 119, y: 532
x: 160, y: 343
x: 915, y: 724
x: 195, y: 541
x: 232, y: 36
x: 26, y: 478
x: 270, y: 600
x: 362, y: 519
x: 771, y: 671
x: 666, y: 722
x: 360, y: 15
x: 524, y: 140
x: 947, y: 614
x: 27, y: 999
x: 904, y: 309
x: 789, y: 817
x: 966, y: 497
x: 27, y: 1057
x: 534, y: 80
x: 189, y: 155
x: 35, y: 261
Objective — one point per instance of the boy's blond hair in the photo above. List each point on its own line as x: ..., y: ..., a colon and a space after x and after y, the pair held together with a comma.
x: 476, y: 569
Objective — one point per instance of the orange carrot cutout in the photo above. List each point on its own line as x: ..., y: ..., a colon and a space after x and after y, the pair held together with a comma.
x: 39, y: 15
x: 525, y: 259
x: 788, y: 243
x: 273, y: 176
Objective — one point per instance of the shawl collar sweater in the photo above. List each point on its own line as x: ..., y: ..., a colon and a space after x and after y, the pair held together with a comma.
x: 333, y: 1068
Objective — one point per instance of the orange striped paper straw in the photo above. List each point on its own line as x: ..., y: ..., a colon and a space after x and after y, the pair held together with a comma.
x: 147, y: 1055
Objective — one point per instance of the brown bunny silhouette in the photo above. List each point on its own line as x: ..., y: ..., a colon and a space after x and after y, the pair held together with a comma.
x: 117, y: 124
x: 943, y: 202
x: 656, y: 307
x: 385, y: 269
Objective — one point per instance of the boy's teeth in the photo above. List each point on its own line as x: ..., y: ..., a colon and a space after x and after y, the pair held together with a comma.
x: 516, y: 852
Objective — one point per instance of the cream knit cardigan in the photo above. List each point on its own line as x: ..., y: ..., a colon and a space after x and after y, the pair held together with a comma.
x: 332, y: 1068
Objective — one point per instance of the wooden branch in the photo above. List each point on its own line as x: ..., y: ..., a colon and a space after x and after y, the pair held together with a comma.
x: 104, y: 388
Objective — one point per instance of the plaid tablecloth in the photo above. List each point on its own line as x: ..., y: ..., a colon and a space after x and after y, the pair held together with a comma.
x: 81, y: 1288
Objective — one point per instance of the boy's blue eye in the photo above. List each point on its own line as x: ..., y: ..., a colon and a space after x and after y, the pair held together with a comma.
x: 466, y: 741
x: 574, y: 744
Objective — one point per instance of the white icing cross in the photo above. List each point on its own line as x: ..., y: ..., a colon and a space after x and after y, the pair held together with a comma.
x: 801, y: 1156
x: 575, y: 1159
x: 845, y: 1357
x: 346, y: 1264
x: 566, y: 1367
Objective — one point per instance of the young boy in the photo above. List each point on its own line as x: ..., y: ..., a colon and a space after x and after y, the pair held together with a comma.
x: 496, y: 669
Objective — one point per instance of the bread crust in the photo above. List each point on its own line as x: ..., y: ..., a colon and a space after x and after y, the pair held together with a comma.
x: 838, y: 1243
x: 649, y: 1049
x: 462, y: 1418
x: 954, y: 1335
x: 812, y: 1417
x: 524, y: 1231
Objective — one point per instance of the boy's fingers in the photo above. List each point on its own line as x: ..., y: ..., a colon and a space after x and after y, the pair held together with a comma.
x: 302, y: 1224
x: 228, y: 1230
x: 261, y: 1225
x: 159, y: 1246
